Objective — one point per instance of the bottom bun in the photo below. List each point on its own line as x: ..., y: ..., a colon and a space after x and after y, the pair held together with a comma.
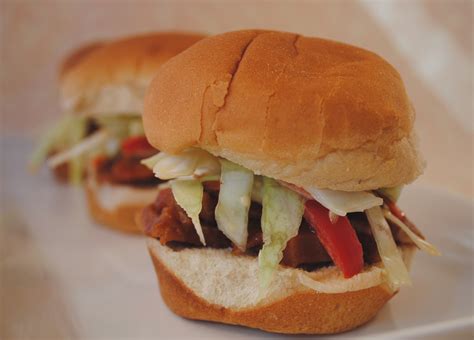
x: 214, y: 285
x: 117, y: 206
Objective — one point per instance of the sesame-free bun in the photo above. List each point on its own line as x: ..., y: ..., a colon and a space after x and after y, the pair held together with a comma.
x: 111, y: 78
x: 215, y: 285
x: 76, y: 56
x: 117, y: 206
x: 309, y: 111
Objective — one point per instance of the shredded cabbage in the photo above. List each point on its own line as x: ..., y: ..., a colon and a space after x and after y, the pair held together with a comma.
x: 257, y: 189
x: 281, y: 217
x: 207, y: 164
x: 76, y: 165
x: 420, y: 243
x: 135, y: 128
x: 151, y: 161
x: 393, y: 194
x: 344, y: 202
x: 70, y: 130
x: 234, y: 202
x: 191, y: 163
x: 121, y: 126
x: 57, y: 137
x: 188, y: 194
x: 334, y: 284
x: 395, y: 267
x: 86, y: 145
x: 68, y: 135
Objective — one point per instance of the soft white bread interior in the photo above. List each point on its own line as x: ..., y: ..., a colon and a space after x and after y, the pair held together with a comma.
x: 117, y: 206
x: 215, y: 285
x: 111, y: 78
x: 309, y: 111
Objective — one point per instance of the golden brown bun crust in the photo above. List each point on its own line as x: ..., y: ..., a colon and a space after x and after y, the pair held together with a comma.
x: 122, y: 218
x: 127, y: 64
x: 305, y: 110
x: 301, y: 313
x: 74, y: 58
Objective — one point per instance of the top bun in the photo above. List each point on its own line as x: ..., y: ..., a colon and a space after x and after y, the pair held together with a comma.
x: 309, y: 111
x: 111, y: 77
x: 75, y: 57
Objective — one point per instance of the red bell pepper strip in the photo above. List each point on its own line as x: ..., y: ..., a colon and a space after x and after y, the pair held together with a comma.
x: 338, y: 238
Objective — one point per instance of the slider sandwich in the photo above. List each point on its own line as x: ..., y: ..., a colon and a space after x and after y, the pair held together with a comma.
x: 63, y: 135
x: 101, y: 136
x: 285, y: 157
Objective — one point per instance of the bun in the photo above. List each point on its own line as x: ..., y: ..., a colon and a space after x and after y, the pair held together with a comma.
x: 214, y: 285
x: 76, y: 56
x: 116, y: 206
x: 309, y: 111
x: 112, y: 78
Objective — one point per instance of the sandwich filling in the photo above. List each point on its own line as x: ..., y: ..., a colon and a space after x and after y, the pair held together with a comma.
x: 110, y: 146
x: 212, y: 202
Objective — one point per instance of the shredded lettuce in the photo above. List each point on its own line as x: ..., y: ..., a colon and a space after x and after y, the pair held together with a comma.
x: 69, y: 131
x: 59, y: 136
x: 76, y: 166
x: 191, y: 163
x: 281, y: 217
x: 420, y: 243
x: 121, y: 126
x: 344, y: 202
x: 234, y: 202
x: 188, y: 194
x: 151, y: 161
x: 257, y: 189
x: 332, y: 284
x: 396, y: 270
x: 67, y: 138
x: 136, y: 128
x: 393, y: 194
x: 80, y: 148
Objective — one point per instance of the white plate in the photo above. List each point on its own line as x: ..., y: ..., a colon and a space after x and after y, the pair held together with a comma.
x: 64, y: 276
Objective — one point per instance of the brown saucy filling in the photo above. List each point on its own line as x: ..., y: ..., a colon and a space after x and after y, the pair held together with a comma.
x: 125, y: 169
x: 165, y: 220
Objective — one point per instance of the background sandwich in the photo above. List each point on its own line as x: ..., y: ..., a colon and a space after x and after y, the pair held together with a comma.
x: 285, y: 169
x: 102, y: 91
x: 57, y: 139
